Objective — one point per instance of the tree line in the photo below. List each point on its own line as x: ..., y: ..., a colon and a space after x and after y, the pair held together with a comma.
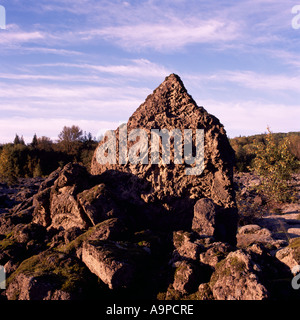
x: 246, y: 147
x: 42, y: 156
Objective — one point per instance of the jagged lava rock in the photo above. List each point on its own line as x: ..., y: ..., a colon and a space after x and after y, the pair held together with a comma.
x: 171, y: 107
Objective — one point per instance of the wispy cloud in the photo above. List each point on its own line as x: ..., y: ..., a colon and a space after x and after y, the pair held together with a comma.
x: 135, y: 68
x: 63, y: 101
x: 54, y: 51
x: 256, y: 80
x: 49, y: 127
x: 253, y: 116
x: 14, y: 35
x: 165, y: 36
x: 251, y: 80
x: 156, y: 25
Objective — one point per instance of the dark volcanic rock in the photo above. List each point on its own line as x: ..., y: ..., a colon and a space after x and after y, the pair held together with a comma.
x: 185, y: 277
x: 204, y: 221
x: 116, y: 264
x: 97, y: 204
x: 48, y: 276
x: 237, y: 277
x: 56, y: 205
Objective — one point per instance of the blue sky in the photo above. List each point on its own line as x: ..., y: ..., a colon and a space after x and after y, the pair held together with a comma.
x: 92, y: 63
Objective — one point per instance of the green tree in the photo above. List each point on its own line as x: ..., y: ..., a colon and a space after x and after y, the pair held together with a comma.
x: 34, y: 142
x: 7, y: 166
x: 44, y: 143
x: 17, y: 139
x: 22, y: 142
x: 37, y: 172
x: 70, y: 138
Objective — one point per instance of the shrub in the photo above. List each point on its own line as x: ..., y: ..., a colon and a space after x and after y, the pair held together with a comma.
x: 275, y: 164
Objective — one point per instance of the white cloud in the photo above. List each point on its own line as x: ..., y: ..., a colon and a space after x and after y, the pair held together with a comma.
x: 287, y: 57
x: 136, y: 68
x: 55, y: 51
x: 81, y: 102
x: 253, y: 117
x: 49, y: 127
x: 14, y: 35
x: 256, y: 80
x: 251, y: 79
x: 166, y: 36
x: 57, y: 78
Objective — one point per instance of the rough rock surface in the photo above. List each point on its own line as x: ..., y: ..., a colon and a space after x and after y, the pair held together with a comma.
x: 97, y: 204
x: 185, y: 277
x: 236, y: 278
x: 253, y: 233
x: 204, y: 220
x: 27, y: 287
x: 214, y: 253
x: 167, y: 186
x: 47, y: 276
x: 113, y: 263
x: 185, y: 248
x: 290, y: 255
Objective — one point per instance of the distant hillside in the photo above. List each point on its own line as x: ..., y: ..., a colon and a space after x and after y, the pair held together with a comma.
x: 244, y: 147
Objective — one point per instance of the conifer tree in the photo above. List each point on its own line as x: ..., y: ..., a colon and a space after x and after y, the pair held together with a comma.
x: 34, y: 142
x: 17, y: 140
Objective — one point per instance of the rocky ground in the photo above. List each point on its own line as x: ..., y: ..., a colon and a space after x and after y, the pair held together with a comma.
x: 56, y: 244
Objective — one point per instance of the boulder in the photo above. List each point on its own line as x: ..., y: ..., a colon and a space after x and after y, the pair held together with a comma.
x: 41, y: 202
x: 56, y: 204
x: 48, y: 276
x: 214, y: 253
x: 185, y: 277
x: 65, y: 211
x: 49, y: 181
x: 116, y: 264
x: 185, y: 248
x: 290, y: 255
x: 72, y: 174
x: 98, y: 204
x: 26, y: 287
x: 204, y: 220
x: 167, y: 189
x: 111, y: 229
x: 237, y: 277
x: 253, y: 233
x: 24, y: 233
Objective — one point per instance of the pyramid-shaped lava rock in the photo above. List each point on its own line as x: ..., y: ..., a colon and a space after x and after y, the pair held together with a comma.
x: 165, y: 191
